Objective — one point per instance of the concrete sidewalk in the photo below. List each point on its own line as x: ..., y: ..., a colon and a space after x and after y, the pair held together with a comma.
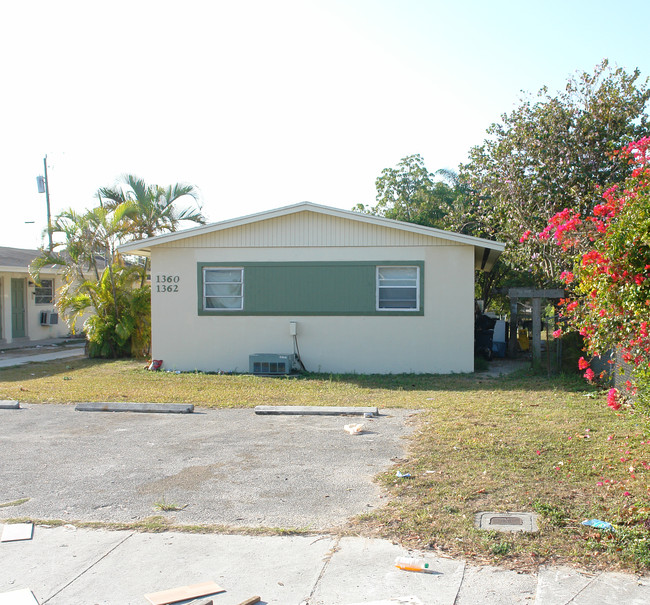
x: 69, y: 566
x: 19, y: 353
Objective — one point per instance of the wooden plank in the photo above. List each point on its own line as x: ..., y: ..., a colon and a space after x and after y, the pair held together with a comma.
x: 534, y: 293
x: 537, y: 331
x: 182, y: 593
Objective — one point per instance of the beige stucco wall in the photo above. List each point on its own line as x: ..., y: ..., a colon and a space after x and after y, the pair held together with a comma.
x: 33, y: 328
x: 440, y: 341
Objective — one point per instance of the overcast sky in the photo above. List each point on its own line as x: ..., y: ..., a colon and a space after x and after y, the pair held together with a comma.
x: 263, y: 103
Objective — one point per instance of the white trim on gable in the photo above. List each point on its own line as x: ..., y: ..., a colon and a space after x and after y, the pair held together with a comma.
x: 486, y: 251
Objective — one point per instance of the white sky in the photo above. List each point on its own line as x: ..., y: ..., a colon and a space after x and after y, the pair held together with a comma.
x: 265, y: 103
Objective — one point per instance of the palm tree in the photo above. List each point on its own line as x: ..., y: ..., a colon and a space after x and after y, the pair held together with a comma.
x: 96, y: 279
x: 153, y: 208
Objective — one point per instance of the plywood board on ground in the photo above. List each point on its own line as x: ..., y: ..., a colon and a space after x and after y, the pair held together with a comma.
x: 182, y: 593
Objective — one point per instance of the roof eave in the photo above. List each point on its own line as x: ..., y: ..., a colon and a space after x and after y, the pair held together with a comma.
x: 143, y: 247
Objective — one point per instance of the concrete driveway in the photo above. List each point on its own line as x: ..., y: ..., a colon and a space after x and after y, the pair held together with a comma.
x: 227, y: 467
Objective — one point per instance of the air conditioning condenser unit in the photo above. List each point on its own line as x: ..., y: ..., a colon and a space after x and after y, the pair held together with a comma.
x: 271, y: 363
x: 49, y: 318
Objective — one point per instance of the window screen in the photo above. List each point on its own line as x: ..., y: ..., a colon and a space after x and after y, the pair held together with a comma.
x: 44, y: 293
x: 223, y: 288
x: 398, y: 288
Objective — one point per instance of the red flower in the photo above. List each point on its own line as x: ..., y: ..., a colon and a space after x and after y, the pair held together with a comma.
x: 613, y: 402
x: 525, y: 236
x: 583, y: 364
x: 589, y: 374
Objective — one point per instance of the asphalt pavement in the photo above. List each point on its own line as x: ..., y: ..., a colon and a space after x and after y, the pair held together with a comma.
x: 227, y: 466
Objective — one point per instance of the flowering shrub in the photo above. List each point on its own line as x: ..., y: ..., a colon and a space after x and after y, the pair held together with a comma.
x: 610, y: 282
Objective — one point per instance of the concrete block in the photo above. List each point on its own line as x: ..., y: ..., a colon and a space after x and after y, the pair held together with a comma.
x: 9, y: 404
x: 308, y: 410
x: 151, y: 408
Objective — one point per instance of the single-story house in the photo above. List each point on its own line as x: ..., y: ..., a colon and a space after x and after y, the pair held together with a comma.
x: 27, y: 311
x: 346, y: 291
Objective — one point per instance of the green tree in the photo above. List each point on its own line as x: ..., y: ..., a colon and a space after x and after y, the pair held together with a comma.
x: 553, y: 152
x: 151, y: 209
x: 410, y: 193
x: 111, y: 294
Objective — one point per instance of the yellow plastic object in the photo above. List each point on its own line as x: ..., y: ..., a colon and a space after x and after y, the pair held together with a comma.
x: 523, y: 340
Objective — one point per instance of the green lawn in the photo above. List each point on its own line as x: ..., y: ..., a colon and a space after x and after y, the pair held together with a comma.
x: 518, y: 443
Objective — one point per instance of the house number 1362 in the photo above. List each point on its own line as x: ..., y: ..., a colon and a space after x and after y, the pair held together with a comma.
x: 167, y: 283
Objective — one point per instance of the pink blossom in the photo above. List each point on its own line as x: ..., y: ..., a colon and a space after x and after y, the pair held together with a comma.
x: 525, y: 236
x: 613, y: 402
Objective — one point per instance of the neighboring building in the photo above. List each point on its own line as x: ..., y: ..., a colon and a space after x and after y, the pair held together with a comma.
x: 362, y: 293
x: 27, y: 311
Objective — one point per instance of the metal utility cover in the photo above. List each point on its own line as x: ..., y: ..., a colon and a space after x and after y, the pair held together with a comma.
x: 507, y: 522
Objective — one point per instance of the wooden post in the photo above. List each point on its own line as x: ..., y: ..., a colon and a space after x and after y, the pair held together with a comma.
x: 537, y: 331
x: 512, y: 341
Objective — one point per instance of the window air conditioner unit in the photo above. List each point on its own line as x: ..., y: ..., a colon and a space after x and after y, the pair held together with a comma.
x: 49, y: 318
x: 270, y: 363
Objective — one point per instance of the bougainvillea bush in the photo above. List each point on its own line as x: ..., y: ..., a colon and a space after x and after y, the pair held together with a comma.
x: 609, y: 303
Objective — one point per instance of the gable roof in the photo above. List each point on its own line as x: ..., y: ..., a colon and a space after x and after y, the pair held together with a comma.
x: 17, y: 260
x: 486, y: 251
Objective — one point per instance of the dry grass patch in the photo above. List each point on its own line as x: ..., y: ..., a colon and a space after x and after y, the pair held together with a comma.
x: 68, y: 381
x: 559, y: 452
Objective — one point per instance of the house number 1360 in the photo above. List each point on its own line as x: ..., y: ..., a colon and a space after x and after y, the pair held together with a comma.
x: 167, y: 283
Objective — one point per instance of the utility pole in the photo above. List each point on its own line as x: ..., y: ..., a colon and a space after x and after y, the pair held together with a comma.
x: 43, y: 186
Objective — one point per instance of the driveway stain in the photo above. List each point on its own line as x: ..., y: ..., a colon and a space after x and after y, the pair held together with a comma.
x: 190, y: 478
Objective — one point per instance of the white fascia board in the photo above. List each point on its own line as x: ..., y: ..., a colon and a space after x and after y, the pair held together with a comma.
x: 143, y: 247
x: 23, y: 270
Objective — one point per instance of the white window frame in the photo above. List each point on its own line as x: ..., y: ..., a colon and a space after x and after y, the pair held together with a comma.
x: 41, y: 295
x: 410, y: 286
x: 241, y: 297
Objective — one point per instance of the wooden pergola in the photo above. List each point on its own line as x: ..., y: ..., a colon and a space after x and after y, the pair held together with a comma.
x: 535, y: 296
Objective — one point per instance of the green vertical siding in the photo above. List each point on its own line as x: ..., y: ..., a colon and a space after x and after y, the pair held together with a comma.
x: 309, y: 288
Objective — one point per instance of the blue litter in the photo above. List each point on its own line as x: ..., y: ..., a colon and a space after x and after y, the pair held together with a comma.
x: 598, y: 524
x: 400, y: 474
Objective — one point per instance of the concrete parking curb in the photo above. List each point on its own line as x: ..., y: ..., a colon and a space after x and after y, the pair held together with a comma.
x: 8, y: 404
x: 151, y: 408
x: 308, y: 410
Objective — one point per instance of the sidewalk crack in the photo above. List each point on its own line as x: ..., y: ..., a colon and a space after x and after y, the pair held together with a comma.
x: 587, y: 585
x: 60, y: 590
x: 326, y: 562
x: 460, y: 584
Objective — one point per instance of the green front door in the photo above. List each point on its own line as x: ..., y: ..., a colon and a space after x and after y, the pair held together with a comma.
x: 17, y: 308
